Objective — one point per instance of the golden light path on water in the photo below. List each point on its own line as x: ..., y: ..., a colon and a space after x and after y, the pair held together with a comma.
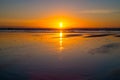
x: 61, y: 41
x: 61, y: 37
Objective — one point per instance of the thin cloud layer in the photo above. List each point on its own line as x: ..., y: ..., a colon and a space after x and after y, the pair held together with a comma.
x: 99, y: 11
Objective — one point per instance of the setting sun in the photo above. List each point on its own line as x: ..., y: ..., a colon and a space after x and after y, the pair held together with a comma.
x: 61, y: 24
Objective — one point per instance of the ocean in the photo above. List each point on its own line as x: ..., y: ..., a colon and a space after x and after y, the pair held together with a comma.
x: 59, y: 55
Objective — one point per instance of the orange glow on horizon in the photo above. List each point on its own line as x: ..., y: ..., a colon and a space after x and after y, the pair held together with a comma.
x: 59, y: 22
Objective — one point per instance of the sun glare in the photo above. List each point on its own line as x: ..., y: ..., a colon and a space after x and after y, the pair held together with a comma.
x: 61, y: 24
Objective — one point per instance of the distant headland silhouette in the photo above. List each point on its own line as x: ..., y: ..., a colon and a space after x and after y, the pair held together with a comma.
x: 86, y: 29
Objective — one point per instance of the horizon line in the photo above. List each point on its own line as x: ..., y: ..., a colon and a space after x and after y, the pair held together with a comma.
x: 115, y: 28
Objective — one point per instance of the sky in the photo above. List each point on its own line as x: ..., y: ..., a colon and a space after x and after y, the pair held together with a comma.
x: 49, y: 13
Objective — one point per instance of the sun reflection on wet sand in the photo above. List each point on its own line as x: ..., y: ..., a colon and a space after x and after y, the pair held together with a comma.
x: 60, y: 56
x: 61, y: 41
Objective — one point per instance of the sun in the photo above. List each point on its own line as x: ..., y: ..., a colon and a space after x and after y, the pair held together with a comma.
x: 61, y: 24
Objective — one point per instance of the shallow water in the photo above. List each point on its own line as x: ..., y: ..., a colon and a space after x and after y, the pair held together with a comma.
x: 59, y: 56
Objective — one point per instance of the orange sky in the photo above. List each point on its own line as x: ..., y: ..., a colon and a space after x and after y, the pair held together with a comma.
x: 49, y: 13
x: 68, y: 22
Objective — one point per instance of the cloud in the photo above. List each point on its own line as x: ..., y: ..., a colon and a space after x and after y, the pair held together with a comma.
x: 99, y: 11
